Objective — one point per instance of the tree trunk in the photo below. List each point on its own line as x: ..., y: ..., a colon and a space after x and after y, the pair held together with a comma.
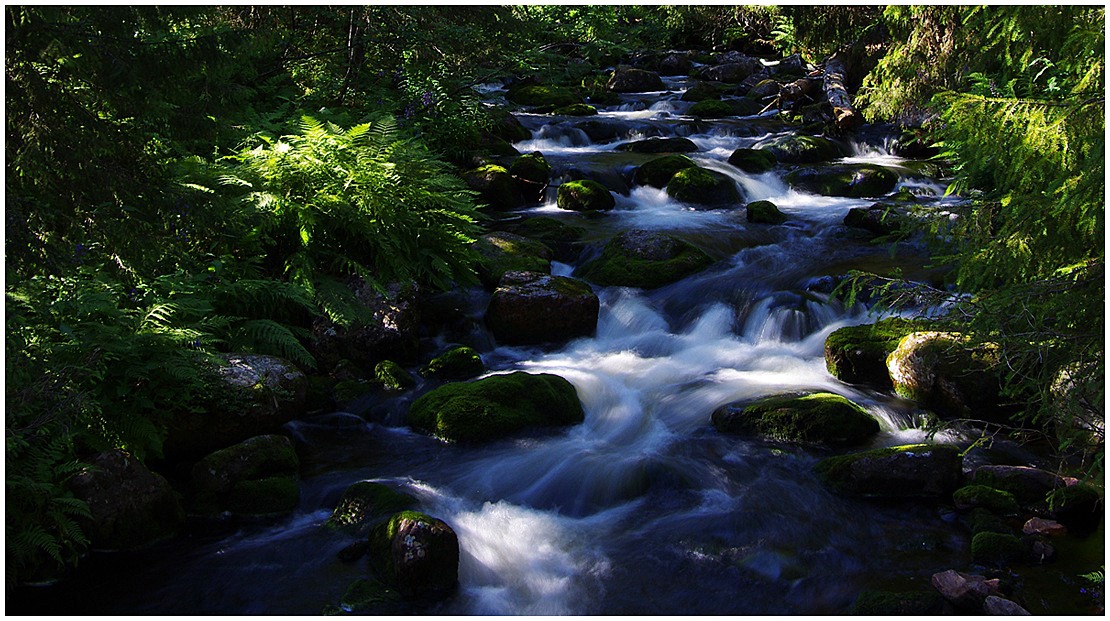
x: 837, y: 94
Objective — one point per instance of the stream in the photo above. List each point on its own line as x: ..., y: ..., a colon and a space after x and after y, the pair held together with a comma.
x: 644, y: 508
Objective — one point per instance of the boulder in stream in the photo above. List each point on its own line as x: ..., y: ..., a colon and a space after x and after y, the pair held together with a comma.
x: 702, y: 91
x: 500, y: 252
x: 542, y: 95
x: 632, y: 80
x: 710, y: 109
x: 849, y: 180
x: 822, y: 418
x: 644, y: 259
x: 584, y: 195
x: 257, y: 477
x: 857, y: 354
x: 386, y: 327
x: 967, y: 592
x: 365, y: 502
x: 533, y: 308
x: 495, y: 186
x: 532, y: 174
x: 456, y: 363
x: 699, y: 186
x: 753, y: 161
x: 496, y: 406
x: 947, y: 374
x: 659, y: 145
x: 578, y: 109
x: 733, y: 72
x: 797, y: 149
x: 879, y: 219
x: 911, y: 471
x: 764, y: 212
x: 416, y: 554
x: 658, y: 172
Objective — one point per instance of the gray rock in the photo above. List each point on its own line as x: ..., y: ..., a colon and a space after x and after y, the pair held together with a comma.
x: 995, y: 605
x: 631, y: 80
x: 532, y: 307
x: 965, y: 591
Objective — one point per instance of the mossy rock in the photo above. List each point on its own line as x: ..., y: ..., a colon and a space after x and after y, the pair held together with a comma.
x: 501, y: 252
x: 547, y: 229
x: 851, y: 181
x: 456, y: 363
x: 890, y: 603
x: 857, y: 354
x: 416, y: 555
x: 880, y: 219
x: 989, y: 548
x: 495, y: 186
x: 263, y: 497
x: 710, y: 109
x: 795, y: 149
x: 645, y: 260
x: 659, y: 171
x: 753, y: 161
x: 1079, y: 507
x: 948, y: 374
x: 367, y: 596
x: 366, y: 501
x: 703, y: 187
x: 765, y: 212
x: 506, y: 126
x: 584, y: 195
x: 393, y: 376
x: 911, y: 471
x: 632, y: 80
x: 579, y: 109
x: 744, y: 106
x: 981, y: 520
x: 533, y: 308
x: 543, y: 95
x: 659, y: 145
x: 822, y: 417
x: 994, y: 500
x: 532, y: 174
x: 497, y: 406
x: 257, y: 477
x: 703, y: 91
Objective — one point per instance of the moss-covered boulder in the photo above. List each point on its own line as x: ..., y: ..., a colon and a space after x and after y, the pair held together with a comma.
x: 658, y: 172
x: 584, y: 195
x: 385, y: 326
x: 130, y: 507
x: 501, y: 252
x: 892, y: 603
x: 542, y: 95
x: 949, y: 375
x: 496, y: 406
x: 994, y: 500
x: 579, y: 109
x: 699, y: 186
x: 702, y: 91
x: 644, y: 259
x: 506, y: 126
x: 753, y: 161
x: 710, y: 109
x: 659, y: 145
x: 495, y: 186
x: 981, y: 520
x: 797, y: 149
x: 880, y: 219
x: 1030, y: 486
x: 368, y: 596
x: 1078, y: 507
x: 989, y: 548
x: 821, y: 418
x: 765, y: 88
x: 849, y: 180
x: 534, y: 308
x: 364, y: 503
x: 257, y: 477
x: 393, y: 376
x: 564, y: 239
x: 416, y: 555
x: 532, y: 174
x: 455, y: 364
x: 764, y: 212
x: 733, y: 72
x: 857, y: 354
x: 632, y: 80
x: 911, y: 471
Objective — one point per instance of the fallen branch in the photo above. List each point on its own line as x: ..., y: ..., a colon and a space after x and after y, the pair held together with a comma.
x: 837, y: 94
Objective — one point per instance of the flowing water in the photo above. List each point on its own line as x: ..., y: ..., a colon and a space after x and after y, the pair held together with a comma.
x: 644, y: 508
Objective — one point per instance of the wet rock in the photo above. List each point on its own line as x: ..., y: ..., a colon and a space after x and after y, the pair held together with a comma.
x: 947, y: 374
x: 502, y: 252
x: 130, y: 506
x: 644, y: 259
x: 965, y: 591
x: 703, y: 91
x: 1079, y: 507
x: 257, y: 477
x: 386, y: 327
x: 532, y: 174
x: 983, y: 521
x: 631, y: 80
x: 507, y: 127
x: 753, y: 161
x: 880, y: 219
x: 258, y: 395
x: 995, y: 605
x: 912, y: 471
x: 578, y: 109
x: 366, y: 502
x: 1043, y: 551
x: 496, y: 406
x: 823, y: 418
x: 660, y: 145
x: 417, y: 555
x: 889, y: 603
x: 764, y: 89
x: 857, y: 354
x: 710, y: 109
x: 733, y: 72
x: 1041, y: 526
x: 849, y: 180
x: 658, y: 172
x: 796, y: 149
x: 584, y: 195
x: 564, y: 239
x: 700, y: 186
x: 393, y: 376
x: 1030, y: 486
x: 764, y: 212
x: 542, y: 95
x: 989, y: 548
x: 495, y: 186
x: 456, y: 363
x: 368, y: 596
x: 531, y: 308
x: 993, y: 500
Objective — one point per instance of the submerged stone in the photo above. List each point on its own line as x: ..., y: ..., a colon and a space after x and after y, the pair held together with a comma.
x: 764, y: 212
x: 660, y: 145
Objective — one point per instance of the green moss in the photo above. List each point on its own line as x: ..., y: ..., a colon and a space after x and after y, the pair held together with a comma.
x: 997, y: 549
x: 550, y: 230
x: 888, y: 603
x: 254, y: 458
x: 495, y: 186
x: 710, y: 109
x: 981, y: 520
x: 754, y: 161
x: 579, y: 109
x: 531, y: 167
x: 988, y: 498
x: 269, y: 496
x: 818, y: 417
x: 765, y: 212
x: 854, y: 181
x: 542, y: 95
x: 660, y: 145
x: 496, y: 406
x: 703, y: 187
x: 393, y: 376
x: 364, y: 501
x: 365, y: 595
x: 857, y: 354
x: 702, y: 91
x: 585, y: 195
x: 617, y: 267
x: 457, y: 363
x: 659, y: 171
x: 506, y: 252
x: 924, y: 470
x: 797, y: 149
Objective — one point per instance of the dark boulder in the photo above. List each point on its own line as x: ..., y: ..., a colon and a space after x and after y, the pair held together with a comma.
x: 644, y: 259
x: 796, y: 149
x: 753, y: 161
x: 257, y: 477
x: 532, y: 174
x: 702, y: 91
x: 821, y: 418
x: 532, y: 308
x: 880, y: 219
x: 764, y: 212
x: 848, y: 180
x: 386, y: 327
x: 857, y: 354
x: 542, y: 95
x: 658, y: 172
x: 949, y: 375
x: 913, y: 471
x: 393, y: 376
x: 416, y: 554
x: 495, y: 187
x: 631, y: 80
x: 501, y: 252
x: 699, y: 186
x: 366, y: 502
x: 660, y: 145
x: 584, y: 195
x: 457, y: 363
x: 733, y: 72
